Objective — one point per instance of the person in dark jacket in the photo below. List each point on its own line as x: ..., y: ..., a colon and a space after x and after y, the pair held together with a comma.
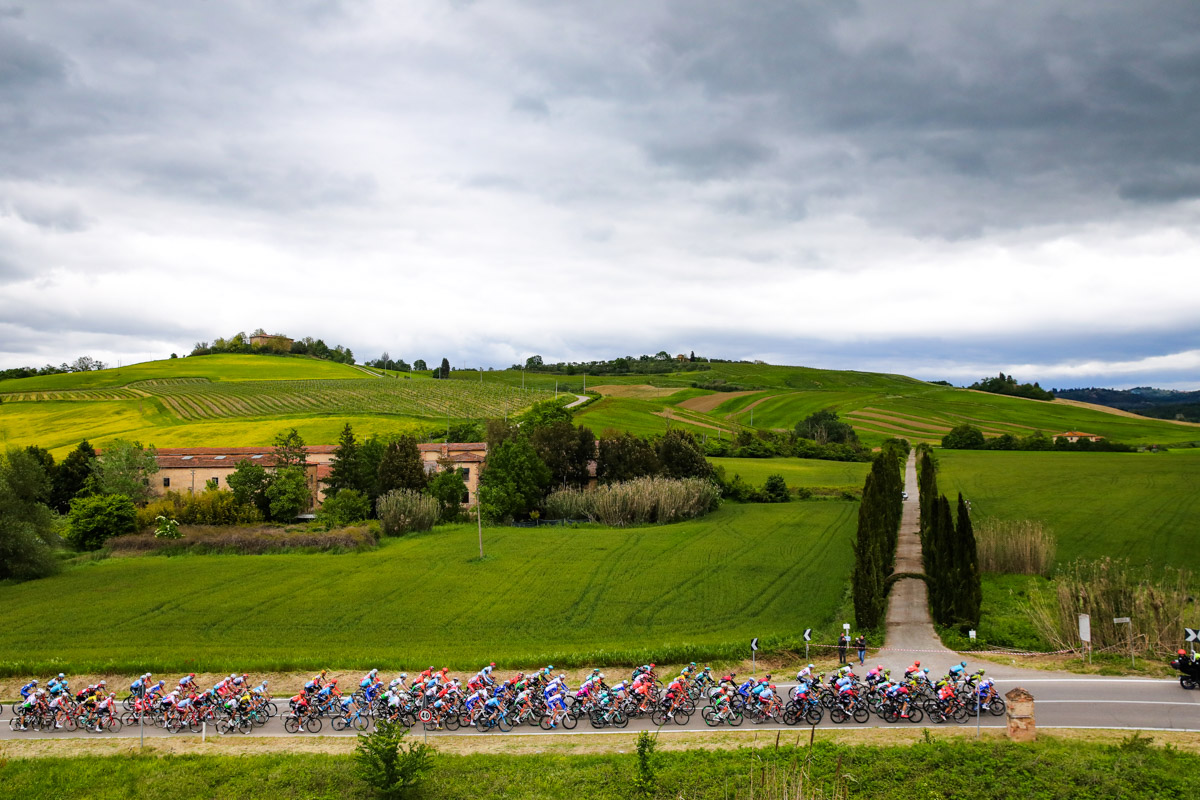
x: 843, y: 640
x: 860, y: 644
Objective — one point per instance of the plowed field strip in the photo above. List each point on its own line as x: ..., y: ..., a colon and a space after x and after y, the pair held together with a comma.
x: 900, y: 420
x: 710, y: 402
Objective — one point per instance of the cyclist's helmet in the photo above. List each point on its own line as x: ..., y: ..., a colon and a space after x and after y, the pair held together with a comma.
x: 916, y: 663
x: 1181, y: 652
x: 101, y: 683
x: 34, y: 681
x: 652, y: 666
x: 693, y: 663
x: 962, y: 663
x: 600, y: 675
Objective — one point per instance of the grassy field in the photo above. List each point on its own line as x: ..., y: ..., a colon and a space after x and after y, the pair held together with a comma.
x: 1139, y: 506
x: 696, y: 589
x: 940, y: 768
x: 797, y: 472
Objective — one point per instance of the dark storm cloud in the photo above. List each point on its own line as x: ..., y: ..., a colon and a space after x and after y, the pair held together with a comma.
x: 534, y: 106
x: 710, y: 159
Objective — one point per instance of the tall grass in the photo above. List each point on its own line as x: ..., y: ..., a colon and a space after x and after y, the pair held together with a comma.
x: 1108, y: 588
x: 636, y: 502
x: 404, y: 510
x: 1021, y: 546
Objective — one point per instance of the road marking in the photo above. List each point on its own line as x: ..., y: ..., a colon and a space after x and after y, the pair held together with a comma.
x: 1086, y: 680
x: 1131, y: 702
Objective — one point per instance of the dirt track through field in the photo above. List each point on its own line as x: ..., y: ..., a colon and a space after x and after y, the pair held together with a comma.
x: 639, y: 391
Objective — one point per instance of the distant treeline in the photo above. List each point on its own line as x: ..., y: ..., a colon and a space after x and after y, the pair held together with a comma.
x: 308, y: 346
x: 661, y: 362
x: 968, y: 437
x: 81, y: 364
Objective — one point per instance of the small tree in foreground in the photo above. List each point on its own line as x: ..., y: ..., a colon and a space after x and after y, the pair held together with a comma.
x: 389, y: 766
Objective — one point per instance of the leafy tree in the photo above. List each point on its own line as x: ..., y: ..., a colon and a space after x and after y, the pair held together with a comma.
x: 444, y: 371
x: 93, y: 520
x: 623, y: 457
x: 499, y: 430
x: 71, y: 477
x: 566, y: 450
x: 469, y: 431
x: 963, y: 437
x: 124, y: 468
x: 533, y: 362
x: 290, y: 450
x: 345, y: 508
x: 26, y: 525
x: 402, y: 467
x: 514, y: 481
x: 680, y: 456
x: 345, y: 471
x: 419, y: 365
x: 448, y: 487
x: 287, y: 493
x: 546, y: 412
x: 824, y: 427
x: 370, y: 456
x: 391, y: 768
x: 249, y: 482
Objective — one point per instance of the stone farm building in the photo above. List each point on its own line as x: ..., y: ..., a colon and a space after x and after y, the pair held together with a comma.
x: 1075, y: 436
x: 188, y: 469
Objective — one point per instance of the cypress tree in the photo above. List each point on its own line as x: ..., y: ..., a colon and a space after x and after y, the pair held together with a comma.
x: 946, y: 578
x: 970, y: 585
x: 344, y: 472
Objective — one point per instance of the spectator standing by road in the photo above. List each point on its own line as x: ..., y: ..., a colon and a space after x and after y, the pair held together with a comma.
x: 860, y: 644
x: 843, y: 640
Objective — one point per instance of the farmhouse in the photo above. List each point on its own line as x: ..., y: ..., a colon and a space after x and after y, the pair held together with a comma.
x: 190, y: 469
x: 276, y: 343
x: 1075, y: 436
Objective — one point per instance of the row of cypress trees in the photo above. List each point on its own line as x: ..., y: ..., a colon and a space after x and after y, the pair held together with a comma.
x: 948, y: 551
x: 878, y: 530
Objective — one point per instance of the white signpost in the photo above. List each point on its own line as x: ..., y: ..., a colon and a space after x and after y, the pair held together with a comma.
x: 807, y: 639
x: 753, y: 659
x: 1193, y: 634
x: 1085, y: 633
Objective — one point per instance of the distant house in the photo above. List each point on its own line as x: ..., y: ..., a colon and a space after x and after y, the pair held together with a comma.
x: 189, y: 469
x: 273, y: 342
x: 1075, y: 436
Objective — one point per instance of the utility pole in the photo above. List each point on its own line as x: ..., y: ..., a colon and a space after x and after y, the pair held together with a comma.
x: 479, y: 516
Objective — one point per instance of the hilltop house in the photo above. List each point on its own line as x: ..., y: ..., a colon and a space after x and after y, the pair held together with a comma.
x: 189, y: 469
x: 276, y: 343
x: 1075, y: 436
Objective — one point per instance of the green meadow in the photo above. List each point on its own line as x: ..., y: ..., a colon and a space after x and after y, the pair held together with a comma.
x: 1139, y: 506
x: 797, y: 472
x: 692, y: 590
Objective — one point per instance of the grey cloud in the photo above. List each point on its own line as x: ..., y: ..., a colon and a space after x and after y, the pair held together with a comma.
x: 711, y: 158
x: 534, y: 106
x: 25, y: 63
x: 68, y: 218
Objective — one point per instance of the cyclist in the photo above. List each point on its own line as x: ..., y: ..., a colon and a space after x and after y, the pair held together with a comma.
x: 29, y: 688
x: 483, y: 677
x: 138, y: 687
x: 958, y: 671
x: 913, y: 669
x: 555, y: 702
x: 642, y: 670
x: 59, y: 703
x: 398, y: 684
x: 899, y: 693
x: 806, y: 673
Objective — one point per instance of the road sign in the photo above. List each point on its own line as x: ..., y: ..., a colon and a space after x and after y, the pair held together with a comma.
x: 971, y: 634
x: 1121, y: 620
x: 808, y: 634
x: 754, y: 643
x: 1085, y: 628
x: 1193, y: 634
x: 846, y: 627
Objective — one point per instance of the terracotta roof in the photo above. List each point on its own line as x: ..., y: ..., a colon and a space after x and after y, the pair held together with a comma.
x: 1078, y: 433
x: 440, y: 447
x: 467, y: 457
x: 172, y: 461
x: 216, y: 451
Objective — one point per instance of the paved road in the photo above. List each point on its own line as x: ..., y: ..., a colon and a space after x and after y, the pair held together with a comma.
x: 1061, y: 702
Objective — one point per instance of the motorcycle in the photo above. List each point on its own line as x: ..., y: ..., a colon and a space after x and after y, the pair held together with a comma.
x: 1189, y: 667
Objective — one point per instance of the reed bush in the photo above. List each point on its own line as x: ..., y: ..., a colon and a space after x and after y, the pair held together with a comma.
x: 404, y: 510
x: 637, y: 502
x: 1023, y: 547
x: 1155, y: 602
x: 210, y: 507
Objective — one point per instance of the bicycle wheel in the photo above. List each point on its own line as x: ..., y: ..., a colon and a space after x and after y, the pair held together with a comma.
x: 861, y: 715
x: 291, y: 724
x: 915, y: 714
x: 546, y: 722
x: 620, y: 719
x: 505, y: 724
x: 837, y: 715
x: 245, y: 725
x: 360, y: 722
x: 658, y: 718
x: 224, y: 726
x: 452, y: 722
x: 735, y: 717
x: 339, y: 723
x: 814, y: 714
x: 113, y: 723
x: 597, y: 719
x: 997, y: 707
x: 961, y: 714
x: 681, y: 717
x: 313, y: 725
x: 890, y: 714
x: 709, y: 715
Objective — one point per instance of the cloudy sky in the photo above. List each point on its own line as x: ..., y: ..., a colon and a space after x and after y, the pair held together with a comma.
x: 939, y: 189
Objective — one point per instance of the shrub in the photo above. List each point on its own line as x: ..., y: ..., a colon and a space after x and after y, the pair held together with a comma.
x: 386, y: 764
x: 166, y: 528
x: 404, y: 510
x: 213, y: 507
x: 1017, y: 546
x: 775, y: 490
x: 640, y: 501
x: 345, y: 507
x: 246, y: 540
x: 93, y: 520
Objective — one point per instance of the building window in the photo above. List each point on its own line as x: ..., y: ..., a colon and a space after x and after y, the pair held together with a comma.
x: 166, y: 482
x: 465, y: 472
